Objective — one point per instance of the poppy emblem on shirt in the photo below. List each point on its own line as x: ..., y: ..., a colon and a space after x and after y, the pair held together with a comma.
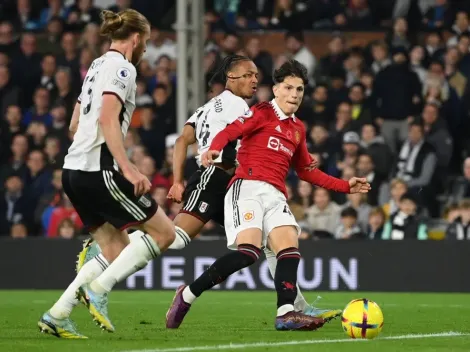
x: 297, y: 137
x: 289, y: 134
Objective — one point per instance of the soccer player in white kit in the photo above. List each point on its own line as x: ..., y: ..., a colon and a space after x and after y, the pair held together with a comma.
x: 106, y: 189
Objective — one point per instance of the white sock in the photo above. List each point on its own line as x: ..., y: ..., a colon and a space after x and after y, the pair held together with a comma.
x: 90, y: 271
x: 286, y: 308
x: 188, y: 296
x: 134, y: 257
x: 300, y: 303
x: 135, y: 235
x: 182, y: 239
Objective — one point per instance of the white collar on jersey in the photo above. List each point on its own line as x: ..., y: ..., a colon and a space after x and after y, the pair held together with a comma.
x: 280, y: 114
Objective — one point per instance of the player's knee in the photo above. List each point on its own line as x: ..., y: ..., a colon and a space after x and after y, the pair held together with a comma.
x: 251, y: 253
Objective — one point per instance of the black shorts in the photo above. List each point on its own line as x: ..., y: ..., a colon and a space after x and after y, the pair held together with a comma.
x: 204, y: 194
x: 106, y: 196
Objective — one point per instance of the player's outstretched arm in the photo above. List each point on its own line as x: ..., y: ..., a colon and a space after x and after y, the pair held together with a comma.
x: 111, y: 128
x: 75, y: 117
x: 187, y: 138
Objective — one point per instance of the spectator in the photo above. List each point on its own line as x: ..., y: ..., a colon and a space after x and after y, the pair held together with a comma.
x: 82, y: 13
x: 8, y: 130
x: 297, y: 50
x: 321, y: 143
x: 361, y: 113
x: 376, y: 224
x: 54, y: 156
x: 317, y: 110
x: 159, y: 46
x: 17, y: 162
x: 461, y: 187
x: 49, y: 42
x: 15, y: 205
x: 86, y: 58
x: 40, y: 111
x: 255, y: 14
x: 437, y: 135
x: 366, y: 168
x: 397, y: 92
x: 304, y: 194
x: 353, y: 66
x: 48, y: 69
x: 327, y: 14
x: 49, y: 201
x: 405, y: 224
x: 159, y: 194
x: 333, y: 61
x: 8, y: 44
x: 287, y: 17
x: 25, y: 16
x: 28, y: 79
x: 380, y: 56
x: 121, y: 5
x: 348, y: 229
x: 359, y: 15
x: 323, y: 215
x: 297, y: 209
x: 434, y: 46
x: 374, y: 145
x: 459, y: 228
x: 70, y: 57
x: 460, y: 26
x: 358, y: 202
x: 9, y: 93
x: 399, y: 37
x: 417, y: 163
x: 349, y: 154
x: 55, y: 9
x: 261, y: 58
x: 343, y: 124
x: 64, y: 210
x: 417, y: 59
x: 398, y: 188
x: 65, y: 95
x: 455, y: 78
x: 67, y: 229
x: 438, y: 16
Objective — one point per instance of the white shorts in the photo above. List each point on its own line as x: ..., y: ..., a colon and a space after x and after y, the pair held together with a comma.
x: 255, y: 204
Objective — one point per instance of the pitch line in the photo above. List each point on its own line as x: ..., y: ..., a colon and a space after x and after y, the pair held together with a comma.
x: 235, y: 346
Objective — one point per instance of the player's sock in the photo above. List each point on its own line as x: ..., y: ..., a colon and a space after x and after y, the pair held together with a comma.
x: 285, y: 279
x: 90, y: 271
x: 222, y: 268
x: 135, y: 235
x: 300, y: 303
x: 182, y: 239
x: 134, y: 257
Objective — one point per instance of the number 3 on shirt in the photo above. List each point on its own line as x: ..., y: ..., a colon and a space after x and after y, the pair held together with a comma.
x: 89, y: 93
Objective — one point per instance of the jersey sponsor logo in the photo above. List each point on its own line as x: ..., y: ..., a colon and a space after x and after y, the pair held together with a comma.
x: 248, y: 215
x: 203, y: 207
x: 123, y: 73
x: 118, y: 84
x: 144, y: 201
x: 275, y: 144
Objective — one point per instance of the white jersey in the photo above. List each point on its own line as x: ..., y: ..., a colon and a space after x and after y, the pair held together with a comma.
x: 212, y: 118
x: 109, y: 74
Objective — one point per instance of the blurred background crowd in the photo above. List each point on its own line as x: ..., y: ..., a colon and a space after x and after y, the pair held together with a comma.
x: 394, y: 109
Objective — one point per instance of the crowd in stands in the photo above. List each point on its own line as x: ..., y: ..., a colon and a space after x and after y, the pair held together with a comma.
x: 395, y: 111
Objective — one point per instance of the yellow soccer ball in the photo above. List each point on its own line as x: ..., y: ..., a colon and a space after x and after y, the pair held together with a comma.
x: 362, y: 319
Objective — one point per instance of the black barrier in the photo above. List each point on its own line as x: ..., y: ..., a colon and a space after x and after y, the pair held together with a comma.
x: 430, y: 266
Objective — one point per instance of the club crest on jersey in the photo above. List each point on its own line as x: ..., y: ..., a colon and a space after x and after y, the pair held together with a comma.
x: 249, y: 215
x: 203, y: 207
x: 297, y: 137
x: 124, y: 73
x: 144, y: 201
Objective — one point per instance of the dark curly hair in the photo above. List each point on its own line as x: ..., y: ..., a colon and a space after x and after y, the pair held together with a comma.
x: 291, y: 68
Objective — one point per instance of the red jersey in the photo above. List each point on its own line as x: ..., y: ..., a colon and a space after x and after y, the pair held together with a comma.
x: 270, y: 143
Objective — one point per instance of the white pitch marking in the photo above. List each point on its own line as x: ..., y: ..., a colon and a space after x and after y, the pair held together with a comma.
x: 235, y: 346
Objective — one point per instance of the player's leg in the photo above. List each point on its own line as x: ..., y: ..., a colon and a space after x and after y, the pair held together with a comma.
x: 301, y: 304
x: 203, y: 200
x: 283, y: 231
x: 243, y: 224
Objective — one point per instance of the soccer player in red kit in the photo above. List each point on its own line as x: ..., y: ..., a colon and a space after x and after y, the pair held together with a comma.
x: 256, y: 209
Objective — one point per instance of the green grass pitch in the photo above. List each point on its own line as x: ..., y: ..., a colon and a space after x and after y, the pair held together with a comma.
x: 236, y: 321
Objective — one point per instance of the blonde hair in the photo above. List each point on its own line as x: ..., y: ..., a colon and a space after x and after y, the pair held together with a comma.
x: 464, y: 204
x: 397, y: 181
x: 119, y: 26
